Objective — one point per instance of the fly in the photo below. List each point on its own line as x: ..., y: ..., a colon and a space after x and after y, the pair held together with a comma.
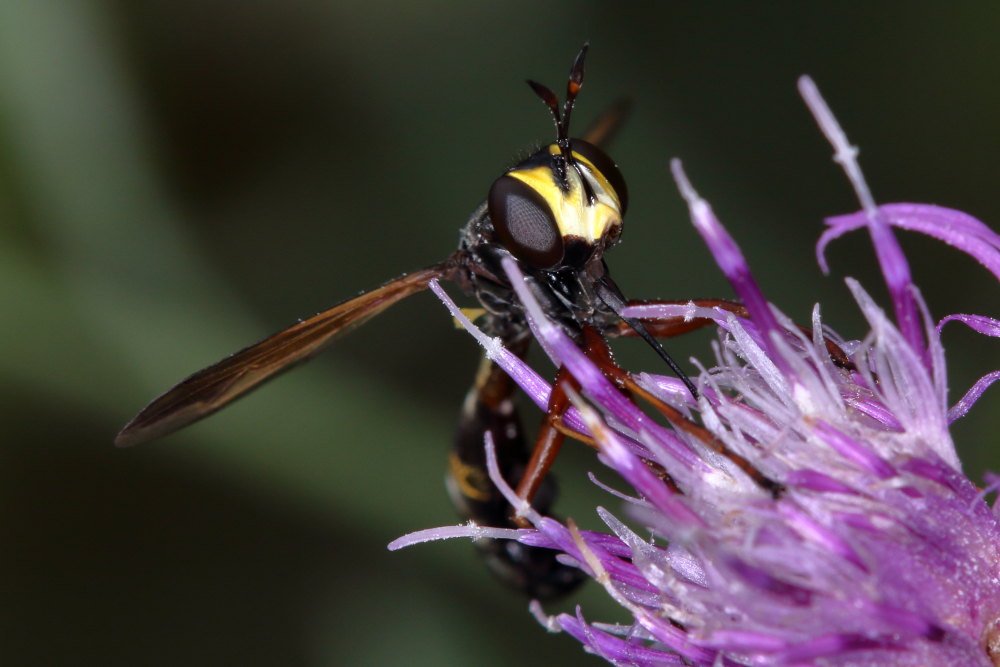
x: 555, y: 214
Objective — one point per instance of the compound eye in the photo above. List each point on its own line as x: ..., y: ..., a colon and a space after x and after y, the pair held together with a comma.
x: 606, y: 166
x: 523, y: 221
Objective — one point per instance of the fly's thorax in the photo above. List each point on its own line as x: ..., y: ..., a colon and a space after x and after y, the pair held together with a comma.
x: 567, y: 293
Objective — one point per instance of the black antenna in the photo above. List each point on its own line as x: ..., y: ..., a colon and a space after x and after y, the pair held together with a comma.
x: 612, y: 297
x: 561, y: 119
x: 551, y: 101
x: 573, y: 86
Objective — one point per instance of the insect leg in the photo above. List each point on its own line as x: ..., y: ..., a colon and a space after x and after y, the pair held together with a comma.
x: 624, y: 379
x: 597, y: 350
x: 548, y: 442
x: 551, y: 433
x: 667, y: 327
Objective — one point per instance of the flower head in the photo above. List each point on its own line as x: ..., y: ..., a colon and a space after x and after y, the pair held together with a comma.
x: 809, y: 506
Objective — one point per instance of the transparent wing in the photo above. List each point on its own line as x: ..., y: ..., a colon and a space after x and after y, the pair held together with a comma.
x: 218, y: 385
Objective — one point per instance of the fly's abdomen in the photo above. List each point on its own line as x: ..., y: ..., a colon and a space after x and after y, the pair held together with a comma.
x: 489, y: 407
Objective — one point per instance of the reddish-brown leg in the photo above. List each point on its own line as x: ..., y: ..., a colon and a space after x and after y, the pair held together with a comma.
x: 668, y: 327
x: 552, y: 433
x: 548, y: 442
x: 675, y: 417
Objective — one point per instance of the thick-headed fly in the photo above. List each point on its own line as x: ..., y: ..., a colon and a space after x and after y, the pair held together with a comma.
x: 556, y: 214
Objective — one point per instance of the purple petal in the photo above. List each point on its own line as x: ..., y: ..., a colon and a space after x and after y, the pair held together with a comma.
x: 614, y: 649
x: 987, y: 326
x: 957, y: 229
x: 471, y: 530
x: 979, y: 323
x: 637, y: 473
x: 875, y: 410
x: 960, y: 409
x: 839, y: 225
x: 834, y: 644
x: 537, y: 389
x: 822, y: 535
x: 854, y: 450
x: 890, y: 256
x: 530, y: 381
x: 670, y: 635
x: 814, y: 480
x: 726, y: 253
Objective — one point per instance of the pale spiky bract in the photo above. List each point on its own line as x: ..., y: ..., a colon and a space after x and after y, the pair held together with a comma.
x: 867, y: 546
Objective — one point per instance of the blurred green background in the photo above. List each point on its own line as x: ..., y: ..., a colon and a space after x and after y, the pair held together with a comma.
x: 179, y: 179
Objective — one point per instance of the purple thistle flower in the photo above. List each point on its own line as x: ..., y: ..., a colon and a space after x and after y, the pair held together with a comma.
x: 871, y: 548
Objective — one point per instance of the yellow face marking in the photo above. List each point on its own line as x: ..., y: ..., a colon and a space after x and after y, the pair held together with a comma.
x: 572, y: 213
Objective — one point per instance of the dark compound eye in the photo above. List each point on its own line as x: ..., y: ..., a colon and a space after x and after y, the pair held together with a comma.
x: 524, y: 223
x: 606, y: 166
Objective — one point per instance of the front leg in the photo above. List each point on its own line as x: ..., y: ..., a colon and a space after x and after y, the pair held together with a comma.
x: 668, y: 327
